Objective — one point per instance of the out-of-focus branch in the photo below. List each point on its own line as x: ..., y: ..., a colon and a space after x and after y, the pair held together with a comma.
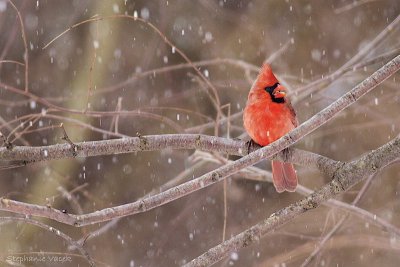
x: 310, y: 159
x: 328, y: 236
x: 315, y: 85
x: 344, y: 177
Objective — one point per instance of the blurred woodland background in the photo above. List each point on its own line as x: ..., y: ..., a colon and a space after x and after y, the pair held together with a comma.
x: 118, y: 64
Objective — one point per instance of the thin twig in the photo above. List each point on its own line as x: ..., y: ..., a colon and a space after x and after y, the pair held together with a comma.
x: 68, y: 239
x: 352, y: 5
x: 118, y: 108
x: 311, y: 87
x: 91, y: 73
x: 65, y: 137
x: 12, y: 61
x: 50, y: 105
x: 234, y: 62
x: 215, y: 100
x: 340, y: 223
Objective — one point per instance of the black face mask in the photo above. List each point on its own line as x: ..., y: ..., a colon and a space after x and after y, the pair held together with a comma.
x: 270, y: 90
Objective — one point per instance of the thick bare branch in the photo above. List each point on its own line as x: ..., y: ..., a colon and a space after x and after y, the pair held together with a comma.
x: 344, y: 177
x: 125, y: 145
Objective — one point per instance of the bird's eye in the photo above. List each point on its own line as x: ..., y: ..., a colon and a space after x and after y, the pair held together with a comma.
x: 270, y: 89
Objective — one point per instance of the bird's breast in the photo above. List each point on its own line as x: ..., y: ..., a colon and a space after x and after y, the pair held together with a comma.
x: 266, y: 122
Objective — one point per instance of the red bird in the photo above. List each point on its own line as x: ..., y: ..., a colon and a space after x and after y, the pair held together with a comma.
x: 268, y: 115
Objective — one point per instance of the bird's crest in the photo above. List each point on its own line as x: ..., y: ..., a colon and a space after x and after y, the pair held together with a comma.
x: 265, y: 77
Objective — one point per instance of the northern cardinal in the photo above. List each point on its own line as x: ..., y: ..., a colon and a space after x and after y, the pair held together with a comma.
x: 268, y: 115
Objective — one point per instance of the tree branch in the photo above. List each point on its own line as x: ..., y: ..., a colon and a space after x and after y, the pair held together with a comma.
x: 310, y: 159
x: 125, y: 145
x: 343, y: 178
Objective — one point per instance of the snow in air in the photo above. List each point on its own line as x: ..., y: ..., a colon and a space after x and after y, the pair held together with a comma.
x: 145, y: 13
x: 234, y: 256
x: 117, y: 53
x: 32, y: 104
x: 96, y: 44
x: 3, y: 6
x: 208, y: 37
x: 115, y: 8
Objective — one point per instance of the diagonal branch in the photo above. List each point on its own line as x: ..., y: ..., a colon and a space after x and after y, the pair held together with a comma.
x: 343, y: 178
x: 297, y: 156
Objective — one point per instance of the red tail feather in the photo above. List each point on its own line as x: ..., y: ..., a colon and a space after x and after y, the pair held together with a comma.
x: 284, y: 176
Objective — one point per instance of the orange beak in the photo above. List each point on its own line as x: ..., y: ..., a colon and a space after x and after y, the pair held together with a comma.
x: 279, y: 93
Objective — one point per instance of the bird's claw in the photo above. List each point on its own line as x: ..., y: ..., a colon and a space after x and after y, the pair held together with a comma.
x: 251, y: 146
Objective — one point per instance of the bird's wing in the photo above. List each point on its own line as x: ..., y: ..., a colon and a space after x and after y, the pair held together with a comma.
x: 292, y: 112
